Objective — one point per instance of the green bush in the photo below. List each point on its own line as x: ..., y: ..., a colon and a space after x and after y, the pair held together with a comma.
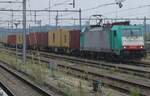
x: 135, y: 92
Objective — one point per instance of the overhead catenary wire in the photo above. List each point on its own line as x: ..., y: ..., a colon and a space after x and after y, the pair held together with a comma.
x: 61, y: 3
x: 129, y: 9
x: 113, y: 12
x: 58, y: 4
x: 93, y: 8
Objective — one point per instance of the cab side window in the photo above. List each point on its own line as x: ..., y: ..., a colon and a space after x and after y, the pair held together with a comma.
x: 115, y: 33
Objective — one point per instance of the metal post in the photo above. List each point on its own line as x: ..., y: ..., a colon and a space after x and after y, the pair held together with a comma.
x: 7, y: 32
x: 16, y: 46
x: 49, y: 12
x: 73, y: 4
x: 116, y: 12
x: 40, y: 25
x: 24, y: 31
x: 57, y: 20
x: 16, y: 24
x: 144, y: 24
x: 80, y: 19
x: 12, y: 27
x: 35, y: 17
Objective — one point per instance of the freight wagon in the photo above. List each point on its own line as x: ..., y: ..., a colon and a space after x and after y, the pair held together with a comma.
x: 120, y: 40
x: 38, y: 40
x: 15, y: 39
x: 11, y: 40
x: 64, y: 41
x: 20, y: 40
x: 3, y: 38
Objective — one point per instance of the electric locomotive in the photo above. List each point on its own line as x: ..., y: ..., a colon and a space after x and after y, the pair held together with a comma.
x: 113, y: 40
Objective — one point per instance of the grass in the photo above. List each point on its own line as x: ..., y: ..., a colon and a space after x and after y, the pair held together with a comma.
x: 135, y: 92
x: 41, y: 72
x: 38, y: 73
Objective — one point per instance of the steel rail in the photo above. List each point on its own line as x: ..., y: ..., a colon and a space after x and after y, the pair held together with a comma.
x: 107, y: 79
x: 6, y: 89
x: 133, y: 68
x: 33, y: 86
x: 110, y: 80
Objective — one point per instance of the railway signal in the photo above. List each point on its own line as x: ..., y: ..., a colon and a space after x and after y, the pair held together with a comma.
x: 119, y: 2
x: 73, y: 3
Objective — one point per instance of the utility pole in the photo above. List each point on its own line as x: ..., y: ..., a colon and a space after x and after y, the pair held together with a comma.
x: 49, y: 12
x: 35, y: 17
x: 24, y: 31
x: 144, y: 24
x: 57, y: 20
x: 80, y: 19
x: 6, y: 33
x: 73, y: 4
x: 40, y: 25
x: 12, y: 22
x: 16, y: 24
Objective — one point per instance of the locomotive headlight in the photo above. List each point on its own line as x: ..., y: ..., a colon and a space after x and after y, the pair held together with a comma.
x: 141, y: 47
x: 124, y: 47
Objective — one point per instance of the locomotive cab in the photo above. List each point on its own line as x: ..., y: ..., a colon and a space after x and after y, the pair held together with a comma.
x: 129, y: 40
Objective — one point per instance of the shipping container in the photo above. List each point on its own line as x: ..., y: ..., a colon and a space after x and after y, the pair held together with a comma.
x: 50, y: 39
x: 64, y: 38
x: 19, y: 38
x: 4, y: 38
x: 11, y: 40
x: 38, y: 39
x: 70, y: 39
x: 43, y: 40
x: 32, y: 39
x: 74, y: 39
x: 54, y: 38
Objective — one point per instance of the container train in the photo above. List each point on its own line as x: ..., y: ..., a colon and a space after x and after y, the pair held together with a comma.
x: 109, y: 40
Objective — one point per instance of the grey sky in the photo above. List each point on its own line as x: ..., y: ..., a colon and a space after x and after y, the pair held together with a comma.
x: 84, y: 4
x: 108, y: 11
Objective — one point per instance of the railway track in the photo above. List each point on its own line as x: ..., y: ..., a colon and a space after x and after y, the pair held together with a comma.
x: 18, y: 85
x: 137, y: 68
x: 84, y: 60
x: 121, y: 83
x: 6, y: 90
x: 131, y: 68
